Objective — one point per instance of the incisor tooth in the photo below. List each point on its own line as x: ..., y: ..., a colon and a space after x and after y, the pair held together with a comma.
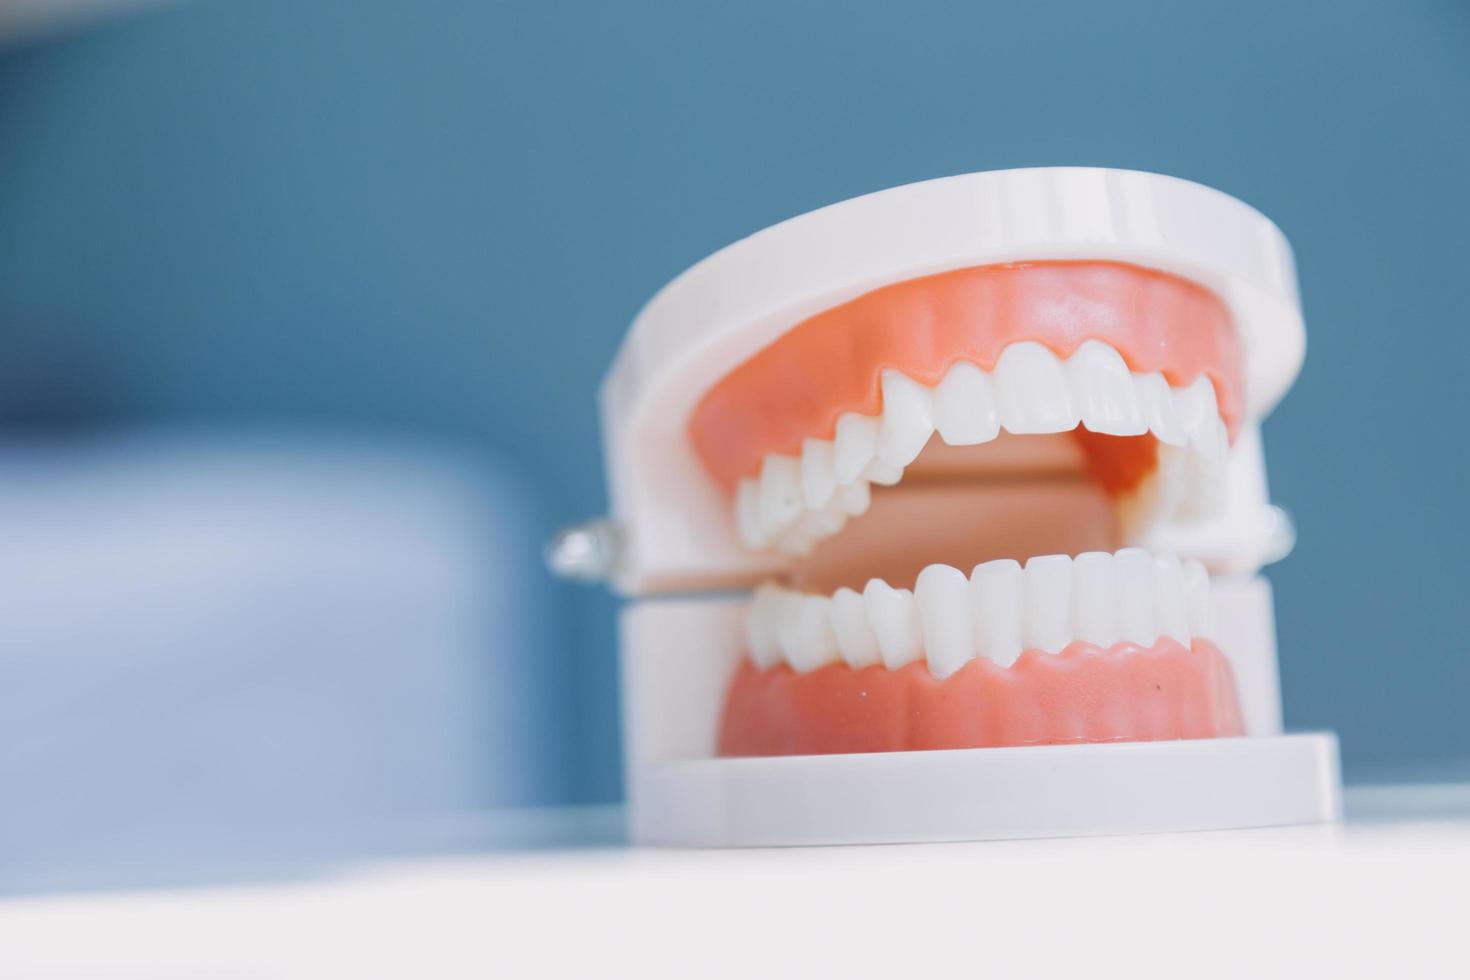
x: 895, y: 620
x: 854, y: 447
x: 1102, y: 391
x: 854, y: 634
x: 1047, y: 595
x: 995, y: 599
x: 907, y: 423
x: 1134, y: 573
x: 964, y: 406
x: 761, y: 622
x: 942, y: 595
x: 780, y: 494
x: 1197, y: 598
x: 807, y: 636
x: 1171, y: 611
x: 1032, y: 392
x: 1094, y: 599
x: 818, y: 479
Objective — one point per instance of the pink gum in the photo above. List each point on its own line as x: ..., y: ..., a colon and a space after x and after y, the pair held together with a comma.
x: 829, y: 364
x: 1083, y: 694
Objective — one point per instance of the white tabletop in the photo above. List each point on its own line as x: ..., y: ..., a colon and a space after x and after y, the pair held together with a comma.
x: 1385, y: 896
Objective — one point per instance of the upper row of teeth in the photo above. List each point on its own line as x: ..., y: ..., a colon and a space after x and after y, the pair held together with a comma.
x: 798, y: 500
x: 996, y: 612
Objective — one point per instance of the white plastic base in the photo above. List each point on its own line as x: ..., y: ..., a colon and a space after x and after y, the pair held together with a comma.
x: 991, y: 794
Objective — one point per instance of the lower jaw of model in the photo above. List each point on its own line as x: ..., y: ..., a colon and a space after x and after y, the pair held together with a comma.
x: 957, y: 469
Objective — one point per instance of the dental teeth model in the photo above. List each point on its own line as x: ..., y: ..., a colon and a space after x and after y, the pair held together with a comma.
x: 942, y: 510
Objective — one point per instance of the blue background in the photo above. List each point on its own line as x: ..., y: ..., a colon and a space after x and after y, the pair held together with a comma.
x: 438, y: 218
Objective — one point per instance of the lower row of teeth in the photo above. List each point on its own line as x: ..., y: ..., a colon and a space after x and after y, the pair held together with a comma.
x: 798, y: 500
x: 996, y: 612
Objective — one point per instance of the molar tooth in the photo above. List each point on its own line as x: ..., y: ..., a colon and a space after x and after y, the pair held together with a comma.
x: 964, y: 406
x: 895, y: 620
x: 818, y: 479
x: 1095, y: 599
x: 1031, y: 390
x: 762, y: 619
x: 854, y: 447
x: 806, y: 633
x: 1157, y: 401
x: 1197, y: 598
x: 780, y: 494
x: 1133, y: 568
x: 907, y: 420
x: 853, y: 498
x: 1171, y: 611
x: 748, y: 514
x: 1103, y: 392
x: 995, y: 600
x: 1047, y: 594
x: 850, y: 626
x: 942, y: 595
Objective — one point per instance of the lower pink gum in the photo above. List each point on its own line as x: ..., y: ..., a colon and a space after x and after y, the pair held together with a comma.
x: 1083, y: 694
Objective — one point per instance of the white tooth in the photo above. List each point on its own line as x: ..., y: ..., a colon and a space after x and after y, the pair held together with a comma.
x: 995, y: 602
x: 1170, y: 608
x: 1031, y: 390
x: 1103, y: 392
x: 882, y: 473
x: 907, y: 420
x: 780, y: 495
x: 818, y: 479
x: 1047, y: 592
x: 761, y: 622
x: 964, y: 406
x: 850, y: 625
x: 1134, y: 571
x: 855, y: 446
x: 1157, y: 497
x: 1095, y: 599
x: 895, y: 620
x: 793, y: 541
x: 748, y: 514
x: 806, y: 634
x: 1197, y: 598
x: 817, y: 524
x: 1157, y: 400
x: 1196, y: 406
x: 853, y: 498
x: 942, y: 595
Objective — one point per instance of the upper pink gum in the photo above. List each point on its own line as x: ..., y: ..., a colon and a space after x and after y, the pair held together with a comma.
x: 832, y: 363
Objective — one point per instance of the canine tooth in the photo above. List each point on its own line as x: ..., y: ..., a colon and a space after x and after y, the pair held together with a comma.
x: 1095, y: 599
x: 1197, y: 597
x: 780, y: 496
x: 907, y: 419
x: 942, y: 595
x: 818, y: 479
x: 853, y: 498
x: 995, y: 600
x: 806, y: 633
x: 964, y: 406
x: 1171, y: 612
x: 748, y: 514
x: 855, y: 446
x: 1133, y: 569
x: 1047, y: 599
x: 1196, y: 406
x: 1103, y: 392
x: 1157, y: 401
x: 1031, y: 390
x: 882, y: 473
x: 850, y: 626
x: 894, y: 618
x: 762, y: 619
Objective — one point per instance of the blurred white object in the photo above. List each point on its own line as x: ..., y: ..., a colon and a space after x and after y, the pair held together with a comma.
x: 247, y: 651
